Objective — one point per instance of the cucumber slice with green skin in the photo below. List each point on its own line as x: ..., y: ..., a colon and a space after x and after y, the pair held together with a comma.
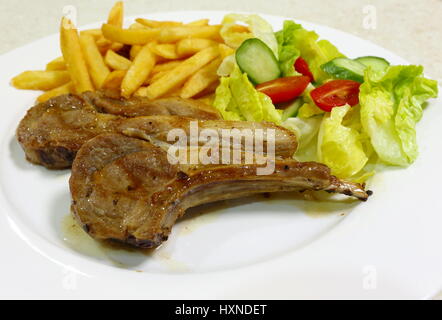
x: 344, y: 68
x: 292, y: 110
x: 376, y: 63
x: 256, y: 59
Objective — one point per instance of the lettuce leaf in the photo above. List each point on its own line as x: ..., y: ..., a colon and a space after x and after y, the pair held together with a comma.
x: 237, y: 99
x: 391, y: 105
x: 259, y: 28
x: 295, y: 41
x: 287, y: 50
x: 340, y: 147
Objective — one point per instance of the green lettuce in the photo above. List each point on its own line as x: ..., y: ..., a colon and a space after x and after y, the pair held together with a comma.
x: 287, y: 50
x: 391, y: 105
x: 294, y: 41
x: 237, y: 99
x: 259, y: 28
x: 340, y: 144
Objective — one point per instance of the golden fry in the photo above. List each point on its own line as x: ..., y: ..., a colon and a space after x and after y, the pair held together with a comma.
x: 64, y: 89
x: 201, y: 79
x: 138, y: 71
x: 199, y: 23
x: 97, y: 68
x: 225, y: 50
x: 177, y: 76
x: 73, y: 56
x: 56, y: 64
x: 116, y: 15
x: 141, y: 92
x: 154, y: 77
x: 166, y: 66
x: 129, y: 36
x: 40, y: 80
x: 158, y: 24
x: 134, y: 51
x: 166, y: 50
x: 116, y: 62
x: 114, y: 79
x: 103, y: 45
x: 208, y: 91
x: 207, y: 99
x: 190, y: 46
x: 96, y: 33
x: 175, y: 34
x: 137, y: 25
x: 116, y: 46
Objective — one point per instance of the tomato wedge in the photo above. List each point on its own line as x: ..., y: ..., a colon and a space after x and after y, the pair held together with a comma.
x: 336, y: 93
x: 301, y: 66
x: 284, y: 89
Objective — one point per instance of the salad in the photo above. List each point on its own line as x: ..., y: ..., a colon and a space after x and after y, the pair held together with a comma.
x: 350, y: 114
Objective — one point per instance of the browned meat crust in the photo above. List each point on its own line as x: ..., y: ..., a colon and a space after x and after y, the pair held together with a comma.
x: 125, y: 189
x: 52, y: 132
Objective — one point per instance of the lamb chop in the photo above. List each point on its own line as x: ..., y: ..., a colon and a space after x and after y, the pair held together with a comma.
x: 125, y: 189
x: 52, y: 132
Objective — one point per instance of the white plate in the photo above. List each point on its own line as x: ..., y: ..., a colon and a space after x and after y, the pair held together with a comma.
x: 280, y: 247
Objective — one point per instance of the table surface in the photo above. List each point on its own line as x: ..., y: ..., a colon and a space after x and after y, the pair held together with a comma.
x: 412, y: 29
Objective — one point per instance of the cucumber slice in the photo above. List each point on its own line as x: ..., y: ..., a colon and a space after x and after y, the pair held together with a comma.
x: 376, y: 63
x: 292, y: 110
x: 256, y: 59
x: 344, y: 68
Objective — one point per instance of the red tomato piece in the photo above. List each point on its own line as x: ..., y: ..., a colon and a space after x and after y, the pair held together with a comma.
x: 301, y: 66
x: 284, y: 89
x: 336, y: 93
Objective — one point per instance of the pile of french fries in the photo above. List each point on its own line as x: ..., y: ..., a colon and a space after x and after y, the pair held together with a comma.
x: 150, y: 58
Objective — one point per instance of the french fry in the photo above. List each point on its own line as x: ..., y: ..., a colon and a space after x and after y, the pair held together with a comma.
x: 56, y: 64
x: 64, y: 89
x: 96, y: 33
x: 116, y: 46
x: 166, y: 50
x: 158, y: 24
x: 138, y: 71
x: 190, y: 46
x: 134, y: 51
x: 166, y: 66
x: 40, y: 80
x: 129, y: 36
x: 73, y: 56
x: 116, y: 62
x: 178, y: 76
x: 154, y: 77
x: 141, y: 92
x: 116, y: 18
x: 199, y: 23
x: 225, y: 50
x: 137, y: 25
x: 201, y: 79
x: 174, y: 34
x: 116, y: 15
x: 97, y: 68
x: 208, y: 91
x: 239, y: 28
x: 103, y: 45
x: 207, y: 99
x: 114, y: 79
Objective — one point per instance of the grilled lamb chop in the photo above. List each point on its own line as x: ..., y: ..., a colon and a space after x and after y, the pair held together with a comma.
x: 156, y: 128
x: 125, y: 189
x: 52, y: 132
